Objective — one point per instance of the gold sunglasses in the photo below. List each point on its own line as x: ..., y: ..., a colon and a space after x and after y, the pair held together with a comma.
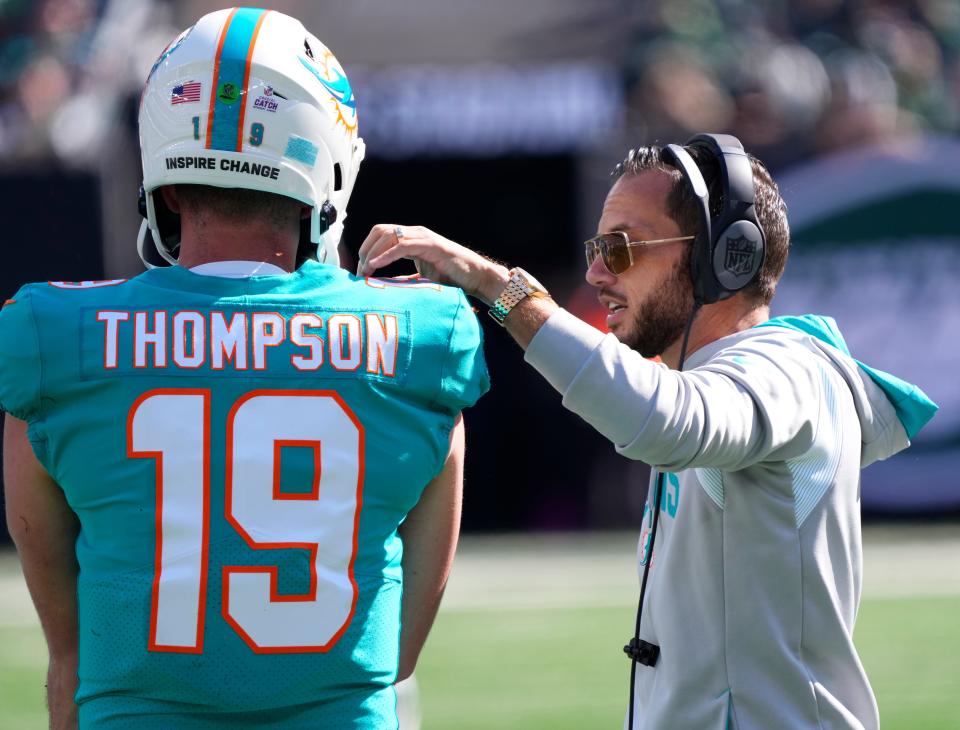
x: 614, y: 249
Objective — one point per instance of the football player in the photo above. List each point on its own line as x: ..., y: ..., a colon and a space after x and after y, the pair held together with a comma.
x: 231, y: 477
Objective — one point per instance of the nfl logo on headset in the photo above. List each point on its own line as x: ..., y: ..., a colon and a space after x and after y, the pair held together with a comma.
x: 741, y: 252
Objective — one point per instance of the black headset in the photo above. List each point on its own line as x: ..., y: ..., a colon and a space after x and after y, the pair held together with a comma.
x: 729, y: 247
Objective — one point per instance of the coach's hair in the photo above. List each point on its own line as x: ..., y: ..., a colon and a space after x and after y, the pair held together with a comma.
x: 238, y: 205
x: 682, y: 207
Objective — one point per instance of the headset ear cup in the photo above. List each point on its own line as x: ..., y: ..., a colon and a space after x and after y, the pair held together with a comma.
x: 738, y: 255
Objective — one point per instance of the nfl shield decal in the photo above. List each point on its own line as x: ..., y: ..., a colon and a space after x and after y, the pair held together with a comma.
x: 741, y: 252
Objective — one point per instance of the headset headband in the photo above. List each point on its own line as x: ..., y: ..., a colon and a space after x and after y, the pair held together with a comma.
x: 729, y: 248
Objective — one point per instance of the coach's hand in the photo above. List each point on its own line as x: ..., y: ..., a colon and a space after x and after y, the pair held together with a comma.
x: 436, y: 258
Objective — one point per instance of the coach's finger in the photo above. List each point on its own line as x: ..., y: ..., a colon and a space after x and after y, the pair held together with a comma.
x: 375, y: 255
x: 386, y: 255
x: 378, y: 231
x: 381, y: 236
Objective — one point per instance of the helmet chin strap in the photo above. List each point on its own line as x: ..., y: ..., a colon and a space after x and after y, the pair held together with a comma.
x: 149, y: 250
x: 142, y: 244
x: 319, y: 242
x: 327, y: 250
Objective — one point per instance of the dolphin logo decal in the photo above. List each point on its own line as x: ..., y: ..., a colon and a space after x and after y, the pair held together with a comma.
x: 339, y: 88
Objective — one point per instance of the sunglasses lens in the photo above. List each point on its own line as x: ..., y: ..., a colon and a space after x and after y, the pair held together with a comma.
x: 613, y: 249
x: 592, y: 252
x: 616, y: 254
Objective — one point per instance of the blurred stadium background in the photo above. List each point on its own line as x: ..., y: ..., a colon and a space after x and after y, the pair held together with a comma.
x: 497, y: 123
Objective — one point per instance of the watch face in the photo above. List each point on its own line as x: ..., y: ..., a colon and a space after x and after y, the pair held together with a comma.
x: 530, y: 281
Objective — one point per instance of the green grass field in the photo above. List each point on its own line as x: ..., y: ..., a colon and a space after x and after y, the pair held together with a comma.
x: 530, y: 634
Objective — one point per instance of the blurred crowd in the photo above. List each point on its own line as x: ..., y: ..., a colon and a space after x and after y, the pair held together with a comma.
x: 796, y: 77
x: 68, y: 71
x: 791, y: 77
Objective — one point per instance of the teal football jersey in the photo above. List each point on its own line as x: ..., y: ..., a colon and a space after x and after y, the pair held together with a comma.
x: 240, y: 453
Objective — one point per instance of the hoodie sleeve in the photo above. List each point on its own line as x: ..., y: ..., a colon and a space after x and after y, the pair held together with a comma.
x: 754, y: 401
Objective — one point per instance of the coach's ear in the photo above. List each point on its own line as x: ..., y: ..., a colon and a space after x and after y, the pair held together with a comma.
x: 169, y: 193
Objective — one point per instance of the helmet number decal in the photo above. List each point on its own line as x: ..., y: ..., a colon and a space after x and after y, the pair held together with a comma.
x: 256, y: 134
x: 196, y: 127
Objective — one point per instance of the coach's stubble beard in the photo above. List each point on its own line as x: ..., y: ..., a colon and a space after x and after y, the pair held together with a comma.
x: 663, y: 315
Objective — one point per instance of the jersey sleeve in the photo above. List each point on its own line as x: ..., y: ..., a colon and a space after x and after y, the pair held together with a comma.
x: 464, y: 377
x: 19, y: 358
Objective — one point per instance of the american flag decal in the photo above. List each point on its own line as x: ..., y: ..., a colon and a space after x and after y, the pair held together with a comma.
x: 185, y: 93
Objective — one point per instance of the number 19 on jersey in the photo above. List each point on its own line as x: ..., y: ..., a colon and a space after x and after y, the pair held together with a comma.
x: 172, y: 427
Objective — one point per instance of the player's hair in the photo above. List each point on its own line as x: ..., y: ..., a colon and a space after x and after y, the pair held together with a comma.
x: 237, y: 205
x: 682, y: 207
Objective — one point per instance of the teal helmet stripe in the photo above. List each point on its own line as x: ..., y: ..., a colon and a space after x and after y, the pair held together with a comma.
x: 230, y: 78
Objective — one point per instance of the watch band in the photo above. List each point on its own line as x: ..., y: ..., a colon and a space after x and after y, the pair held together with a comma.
x: 520, y: 286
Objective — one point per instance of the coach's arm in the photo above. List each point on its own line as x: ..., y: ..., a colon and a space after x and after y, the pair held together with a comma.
x: 45, y: 530
x: 430, y: 535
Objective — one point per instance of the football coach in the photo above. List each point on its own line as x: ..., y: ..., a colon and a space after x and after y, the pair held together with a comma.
x: 757, y: 429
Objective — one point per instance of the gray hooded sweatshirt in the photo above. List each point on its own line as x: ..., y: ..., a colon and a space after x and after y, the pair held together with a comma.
x: 756, y: 573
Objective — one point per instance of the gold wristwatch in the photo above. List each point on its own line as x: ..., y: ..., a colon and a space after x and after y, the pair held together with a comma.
x: 520, y: 286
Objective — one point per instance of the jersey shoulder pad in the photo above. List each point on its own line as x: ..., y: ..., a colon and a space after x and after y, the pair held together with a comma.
x: 464, y: 376
x: 20, y: 367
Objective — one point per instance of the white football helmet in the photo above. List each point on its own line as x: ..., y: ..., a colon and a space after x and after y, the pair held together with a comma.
x: 248, y: 98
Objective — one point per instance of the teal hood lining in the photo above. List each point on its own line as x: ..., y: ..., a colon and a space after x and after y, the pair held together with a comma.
x: 913, y: 407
